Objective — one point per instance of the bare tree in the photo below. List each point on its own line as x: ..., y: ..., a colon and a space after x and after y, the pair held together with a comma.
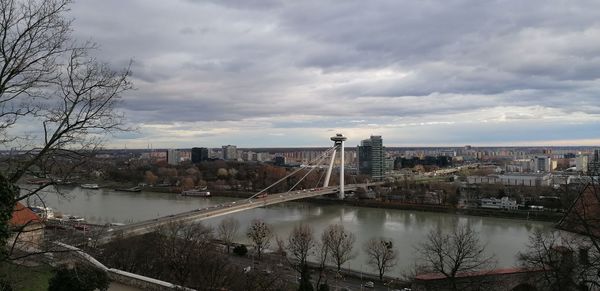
x: 280, y: 246
x: 340, y: 244
x: 181, y: 246
x: 49, y: 80
x: 381, y: 254
x: 260, y: 233
x: 181, y: 253
x: 554, y: 257
x: 453, y: 253
x: 323, y: 256
x: 227, y: 230
x: 301, y: 242
x: 583, y: 218
x: 33, y: 35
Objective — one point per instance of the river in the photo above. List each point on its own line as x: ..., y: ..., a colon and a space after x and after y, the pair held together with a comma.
x: 503, y: 237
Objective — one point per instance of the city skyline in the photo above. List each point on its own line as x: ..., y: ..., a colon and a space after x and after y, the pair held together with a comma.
x: 283, y: 74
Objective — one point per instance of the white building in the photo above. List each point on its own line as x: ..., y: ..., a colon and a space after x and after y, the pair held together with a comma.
x: 173, y: 157
x: 581, y: 163
x: 515, y: 179
x: 494, y: 203
x: 230, y: 152
x: 248, y: 156
x: 520, y: 166
x: 261, y: 157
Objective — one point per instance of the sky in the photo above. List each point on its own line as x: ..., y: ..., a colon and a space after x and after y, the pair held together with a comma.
x: 277, y: 73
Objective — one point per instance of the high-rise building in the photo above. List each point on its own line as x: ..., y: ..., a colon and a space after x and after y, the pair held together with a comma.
x: 230, y: 152
x: 364, y: 157
x: 542, y: 164
x: 248, y: 156
x: 173, y: 157
x: 371, y: 158
x: 594, y: 163
x: 199, y: 155
x: 279, y: 161
x: 581, y: 163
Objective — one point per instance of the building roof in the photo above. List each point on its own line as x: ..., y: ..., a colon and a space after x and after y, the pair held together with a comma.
x: 22, y: 215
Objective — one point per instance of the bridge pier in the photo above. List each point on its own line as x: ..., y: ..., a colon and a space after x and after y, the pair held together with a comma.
x: 338, y: 140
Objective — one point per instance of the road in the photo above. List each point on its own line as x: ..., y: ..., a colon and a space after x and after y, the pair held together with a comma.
x: 285, y: 271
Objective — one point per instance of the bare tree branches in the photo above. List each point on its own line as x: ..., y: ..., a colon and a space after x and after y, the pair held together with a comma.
x: 300, y: 244
x: 340, y: 244
x: 322, y: 249
x: 181, y: 245
x: 301, y: 241
x: 227, y: 230
x: 454, y: 253
x: 260, y: 233
x: 90, y: 93
x: 47, y: 78
x: 546, y: 253
x: 583, y: 217
x: 381, y: 254
x: 33, y: 35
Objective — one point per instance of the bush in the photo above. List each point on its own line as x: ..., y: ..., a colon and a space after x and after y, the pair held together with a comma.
x: 240, y: 250
x: 79, y: 278
x: 5, y: 285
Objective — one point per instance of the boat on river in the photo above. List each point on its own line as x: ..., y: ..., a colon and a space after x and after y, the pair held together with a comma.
x: 132, y: 189
x: 89, y: 186
x: 73, y: 218
x: 195, y: 193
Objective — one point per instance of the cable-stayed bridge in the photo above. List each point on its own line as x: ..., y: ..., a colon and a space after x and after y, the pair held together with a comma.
x: 195, y: 215
x: 259, y: 199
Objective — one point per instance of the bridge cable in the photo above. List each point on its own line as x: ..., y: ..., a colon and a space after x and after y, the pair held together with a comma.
x: 310, y: 171
x: 321, y: 178
x: 289, y: 175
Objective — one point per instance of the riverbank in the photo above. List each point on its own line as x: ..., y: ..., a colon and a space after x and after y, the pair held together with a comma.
x: 546, y: 216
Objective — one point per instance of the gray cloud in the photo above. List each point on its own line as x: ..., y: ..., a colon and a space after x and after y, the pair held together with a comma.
x: 237, y: 60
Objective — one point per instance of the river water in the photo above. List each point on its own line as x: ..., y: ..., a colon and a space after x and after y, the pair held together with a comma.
x: 503, y: 237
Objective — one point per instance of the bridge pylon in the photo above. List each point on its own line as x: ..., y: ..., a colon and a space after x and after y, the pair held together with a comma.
x: 338, y: 140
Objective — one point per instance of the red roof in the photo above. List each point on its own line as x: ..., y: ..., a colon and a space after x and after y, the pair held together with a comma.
x: 440, y: 276
x: 22, y: 216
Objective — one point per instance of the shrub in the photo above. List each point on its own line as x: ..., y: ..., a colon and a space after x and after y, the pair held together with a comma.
x: 79, y: 278
x: 240, y: 250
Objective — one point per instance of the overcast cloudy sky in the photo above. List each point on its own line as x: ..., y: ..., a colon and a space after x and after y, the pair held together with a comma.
x: 292, y: 73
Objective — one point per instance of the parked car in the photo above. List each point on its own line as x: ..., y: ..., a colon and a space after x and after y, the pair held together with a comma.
x: 369, y: 285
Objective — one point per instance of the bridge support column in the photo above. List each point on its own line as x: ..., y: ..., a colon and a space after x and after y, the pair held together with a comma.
x: 338, y: 140
x: 328, y: 176
x: 342, y: 193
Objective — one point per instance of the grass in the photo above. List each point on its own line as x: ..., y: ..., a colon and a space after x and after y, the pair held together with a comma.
x: 26, y: 278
